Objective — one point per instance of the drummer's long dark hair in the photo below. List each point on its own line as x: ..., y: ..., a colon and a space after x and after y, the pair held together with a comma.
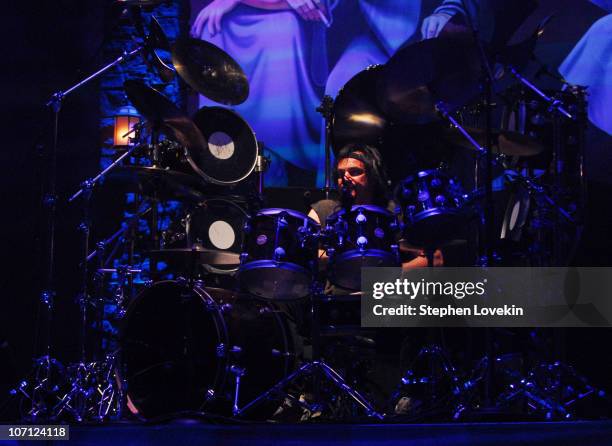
x: 375, y: 168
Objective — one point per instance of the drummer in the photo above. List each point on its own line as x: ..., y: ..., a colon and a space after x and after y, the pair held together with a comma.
x: 361, y: 178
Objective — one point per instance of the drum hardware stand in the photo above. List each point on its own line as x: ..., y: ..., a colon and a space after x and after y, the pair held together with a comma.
x: 548, y: 399
x: 559, y: 111
x: 261, y: 166
x: 326, y: 110
x: 78, y: 401
x: 318, y: 369
x: 461, y: 392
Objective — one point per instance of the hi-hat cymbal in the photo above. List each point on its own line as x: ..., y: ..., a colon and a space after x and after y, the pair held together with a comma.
x: 162, y: 112
x: 421, y: 74
x: 162, y: 183
x: 357, y: 116
x: 202, y: 256
x: 210, y: 71
x: 505, y: 142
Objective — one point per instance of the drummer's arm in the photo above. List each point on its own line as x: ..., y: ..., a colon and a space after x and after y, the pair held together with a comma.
x: 420, y: 261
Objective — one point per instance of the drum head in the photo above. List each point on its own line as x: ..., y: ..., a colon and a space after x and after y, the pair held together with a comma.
x: 178, y: 345
x: 436, y: 226
x: 168, y: 348
x: 231, y: 151
x: 276, y: 280
x: 346, y: 270
x: 217, y: 224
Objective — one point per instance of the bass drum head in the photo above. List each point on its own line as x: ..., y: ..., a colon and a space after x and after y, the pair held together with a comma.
x: 178, y: 345
x: 217, y: 224
x: 168, y: 349
x: 231, y: 151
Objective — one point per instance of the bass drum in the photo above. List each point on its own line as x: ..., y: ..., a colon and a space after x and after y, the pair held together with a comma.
x: 179, y: 344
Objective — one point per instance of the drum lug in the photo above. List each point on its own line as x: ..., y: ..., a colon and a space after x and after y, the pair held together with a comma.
x: 226, y: 308
x: 244, y: 257
x: 265, y: 310
x: 199, y: 283
x: 237, y: 371
x: 361, y: 219
x: 277, y: 353
x: 279, y: 253
x: 396, y: 252
x: 362, y: 242
x: 222, y: 350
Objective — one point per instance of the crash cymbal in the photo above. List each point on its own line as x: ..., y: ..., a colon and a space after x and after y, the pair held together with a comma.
x: 357, y: 116
x: 162, y: 112
x: 164, y: 184
x: 157, y: 40
x: 206, y: 256
x: 505, y: 142
x: 210, y: 71
x: 421, y: 74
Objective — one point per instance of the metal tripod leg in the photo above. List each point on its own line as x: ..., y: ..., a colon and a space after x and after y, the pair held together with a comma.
x: 334, y: 377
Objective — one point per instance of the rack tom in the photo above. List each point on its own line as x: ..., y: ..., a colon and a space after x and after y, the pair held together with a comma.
x: 279, y: 259
x: 363, y: 237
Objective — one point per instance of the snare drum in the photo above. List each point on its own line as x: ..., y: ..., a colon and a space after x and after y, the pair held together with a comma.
x: 432, y: 208
x: 279, y: 259
x: 363, y: 237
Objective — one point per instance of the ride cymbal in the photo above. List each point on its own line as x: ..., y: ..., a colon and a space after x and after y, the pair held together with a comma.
x: 357, y: 116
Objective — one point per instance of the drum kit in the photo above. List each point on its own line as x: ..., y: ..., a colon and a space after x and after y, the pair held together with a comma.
x: 215, y: 332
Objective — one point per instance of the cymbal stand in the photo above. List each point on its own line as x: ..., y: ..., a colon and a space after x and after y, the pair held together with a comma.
x: 318, y: 369
x: 326, y: 110
x: 560, y: 111
x: 261, y: 167
x: 489, y: 353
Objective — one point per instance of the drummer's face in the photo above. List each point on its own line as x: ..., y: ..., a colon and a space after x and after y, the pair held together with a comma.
x: 354, y: 171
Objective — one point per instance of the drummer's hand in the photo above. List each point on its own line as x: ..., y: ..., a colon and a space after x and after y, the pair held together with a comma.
x: 433, y: 24
x: 211, y: 17
x: 307, y: 9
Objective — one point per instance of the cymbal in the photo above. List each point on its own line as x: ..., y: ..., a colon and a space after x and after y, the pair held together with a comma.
x: 164, y: 184
x: 210, y: 71
x: 505, y: 142
x: 357, y: 116
x: 421, y: 74
x: 152, y: 104
x: 206, y: 256
x: 162, y: 112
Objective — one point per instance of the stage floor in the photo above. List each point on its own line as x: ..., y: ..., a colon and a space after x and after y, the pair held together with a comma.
x: 583, y: 433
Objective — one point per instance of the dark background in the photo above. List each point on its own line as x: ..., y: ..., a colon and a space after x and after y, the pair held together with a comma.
x: 50, y: 45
